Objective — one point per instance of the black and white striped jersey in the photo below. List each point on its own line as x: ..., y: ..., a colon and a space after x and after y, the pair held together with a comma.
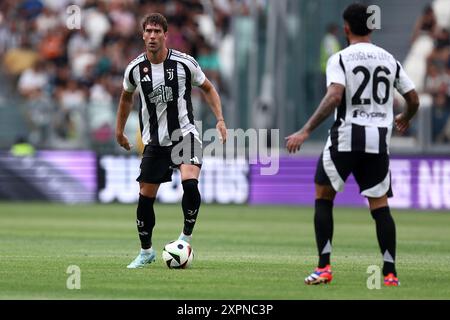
x: 364, y: 120
x: 165, y: 95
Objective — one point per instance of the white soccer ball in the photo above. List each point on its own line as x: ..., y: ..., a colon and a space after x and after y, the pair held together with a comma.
x: 178, y: 254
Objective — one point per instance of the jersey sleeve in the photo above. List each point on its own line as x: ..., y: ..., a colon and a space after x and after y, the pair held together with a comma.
x: 198, y: 77
x: 402, y: 82
x: 335, y: 70
x: 129, y: 84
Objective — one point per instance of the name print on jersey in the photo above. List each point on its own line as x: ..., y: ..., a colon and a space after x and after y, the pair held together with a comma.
x: 360, y: 55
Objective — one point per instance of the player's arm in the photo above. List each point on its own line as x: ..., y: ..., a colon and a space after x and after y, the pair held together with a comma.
x: 331, y: 100
x: 403, y: 119
x: 125, y: 106
x: 213, y: 100
x: 406, y: 87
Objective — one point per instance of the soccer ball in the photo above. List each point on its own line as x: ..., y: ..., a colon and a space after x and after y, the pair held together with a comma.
x: 178, y: 254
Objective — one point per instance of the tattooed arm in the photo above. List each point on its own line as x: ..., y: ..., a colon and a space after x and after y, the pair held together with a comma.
x: 412, y: 104
x: 331, y: 100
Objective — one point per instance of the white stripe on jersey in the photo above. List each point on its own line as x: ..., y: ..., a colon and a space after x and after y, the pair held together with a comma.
x: 344, y: 137
x: 161, y: 107
x: 372, y: 139
x: 183, y: 118
x: 145, y: 119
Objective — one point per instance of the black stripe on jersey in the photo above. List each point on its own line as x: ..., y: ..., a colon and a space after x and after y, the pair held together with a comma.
x: 187, y: 93
x: 342, y: 108
x: 358, y: 138
x: 334, y: 135
x: 141, y: 124
x: 382, y: 133
x: 340, y: 116
x: 185, y: 57
x: 171, y: 80
x: 397, y: 73
x: 130, y: 76
x: 341, y: 63
x: 147, y: 88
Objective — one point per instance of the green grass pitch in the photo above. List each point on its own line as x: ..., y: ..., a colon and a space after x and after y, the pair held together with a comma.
x: 241, y: 252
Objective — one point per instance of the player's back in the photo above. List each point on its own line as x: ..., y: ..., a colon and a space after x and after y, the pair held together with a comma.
x: 369, y: 74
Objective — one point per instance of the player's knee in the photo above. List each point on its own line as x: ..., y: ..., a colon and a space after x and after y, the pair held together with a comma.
x: 376, y: 203
x: 325, y: 192
x: 189, y: 172
x: 148, y: 190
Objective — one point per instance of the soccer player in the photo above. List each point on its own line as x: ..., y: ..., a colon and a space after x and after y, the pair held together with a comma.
x: 360, y: 82
x: 164, y: 78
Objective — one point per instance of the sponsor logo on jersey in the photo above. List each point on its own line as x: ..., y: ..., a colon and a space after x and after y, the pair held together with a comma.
x: 368, y: 115
x: 162, y: 94
x: 146, y: 78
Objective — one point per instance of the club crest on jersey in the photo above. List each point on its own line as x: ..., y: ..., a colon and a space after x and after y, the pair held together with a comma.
x: 162, y: 94
x: 169, y: 74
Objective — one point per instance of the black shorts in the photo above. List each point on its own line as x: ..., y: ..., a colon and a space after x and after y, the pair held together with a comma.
x: 371, y: 171
x: 158, y: 162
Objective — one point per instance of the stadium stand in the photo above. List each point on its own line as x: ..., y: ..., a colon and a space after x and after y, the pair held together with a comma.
x: 73, y: 77
x: 428, y: 64
x: 67, y: 82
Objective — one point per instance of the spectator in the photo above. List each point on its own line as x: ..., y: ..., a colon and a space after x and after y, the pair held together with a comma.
x: 70, y: 120
x: 329, y: 46
x: 39, y: 115
x: 33, y: 79
x: 52, y: 46
x: 46, y: 21
x: 425, y: 24
x: 435, y: 79
x: 441, y: 113
x: 441, y: 52
x: 100, y: 112
x: 22, y: 148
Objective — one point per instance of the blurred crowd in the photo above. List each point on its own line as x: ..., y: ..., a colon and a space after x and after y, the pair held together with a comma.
x: 71, y: 78
x: 432, y: 40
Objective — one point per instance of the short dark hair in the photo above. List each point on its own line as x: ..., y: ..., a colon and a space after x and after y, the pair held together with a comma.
x: 155, y: 18
x: 356, y: 16
x: 428, y: 9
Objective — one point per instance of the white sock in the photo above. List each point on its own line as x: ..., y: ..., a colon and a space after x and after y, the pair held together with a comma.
x: 149, y: 250
x: 188, y: 236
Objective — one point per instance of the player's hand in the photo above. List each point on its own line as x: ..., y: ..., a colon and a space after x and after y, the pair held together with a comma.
x: 401, y: 123
x: 295, y: 141
x: 122, y: 140
x: 222, y: 128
